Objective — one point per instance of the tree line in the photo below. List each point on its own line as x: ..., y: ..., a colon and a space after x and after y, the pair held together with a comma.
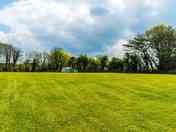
x: 151, y: 51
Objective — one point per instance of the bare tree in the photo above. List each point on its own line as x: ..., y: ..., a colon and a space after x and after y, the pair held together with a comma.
x: 16, y: 53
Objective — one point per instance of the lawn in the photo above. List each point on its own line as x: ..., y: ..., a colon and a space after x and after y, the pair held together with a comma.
x: 53, y: 102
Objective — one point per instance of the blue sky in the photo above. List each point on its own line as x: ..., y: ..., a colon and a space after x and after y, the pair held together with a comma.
x: 5, y: 2
x: 82, y: 26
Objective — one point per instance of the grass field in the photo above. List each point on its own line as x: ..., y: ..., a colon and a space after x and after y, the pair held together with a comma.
x: 51, y: 102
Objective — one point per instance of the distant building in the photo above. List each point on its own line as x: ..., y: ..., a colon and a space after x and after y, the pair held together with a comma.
x: 69, y: 69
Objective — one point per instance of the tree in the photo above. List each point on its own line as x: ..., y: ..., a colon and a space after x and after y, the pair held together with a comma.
x: 58, y: 58
x: 35, y: 64
x: 94, y: 64
x: 27, y: 65
x: 103, y: 62
x: 8, y: 54
x: 132, y: 62
x: 72, y: 62
x: 116, y: 65
x: 140, y: 46
x: 16, y: 53
x: 163, y: 41
x: 5, y: 52
x: 82, y: 63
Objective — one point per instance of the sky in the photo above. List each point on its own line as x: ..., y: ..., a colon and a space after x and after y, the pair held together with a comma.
x: 80, y: 26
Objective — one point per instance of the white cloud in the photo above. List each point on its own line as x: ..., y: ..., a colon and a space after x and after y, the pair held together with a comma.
x: 3, y: 37
x: 68, y: 23
x: 155, y: 4
x: 52, y: 17
x: 117, y: 49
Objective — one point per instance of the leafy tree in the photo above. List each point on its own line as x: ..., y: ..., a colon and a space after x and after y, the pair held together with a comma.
x: 83, y: 62
x: 73, y: 62
x: 94, y: 64
x: 132, y: 63
x: 58, y: 58
x: 141, y: 47
x: 103, y: 61
x: 116, y: 65
x: 27, y: 65
x: 163, y: 40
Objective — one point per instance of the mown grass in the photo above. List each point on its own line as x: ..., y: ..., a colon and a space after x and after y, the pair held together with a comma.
x: 51, y: 102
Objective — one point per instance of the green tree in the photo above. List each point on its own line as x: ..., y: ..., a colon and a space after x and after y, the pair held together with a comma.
x: 116, y: 65
x: 140, y: 46
x: 163, y: 41
x: 103, y: 62
x: 72, y: 62
x: 58, y: 58
x: 82, y: 62
x: 132, y: 63
x: 94, y: 64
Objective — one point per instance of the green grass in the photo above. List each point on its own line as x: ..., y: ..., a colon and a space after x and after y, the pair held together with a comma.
x: 51, y: 102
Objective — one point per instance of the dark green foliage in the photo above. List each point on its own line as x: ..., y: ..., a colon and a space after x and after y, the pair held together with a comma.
x: 116, y: 65
x: 163, y: 40
x: 103, y: 62
x: 82, y: 63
